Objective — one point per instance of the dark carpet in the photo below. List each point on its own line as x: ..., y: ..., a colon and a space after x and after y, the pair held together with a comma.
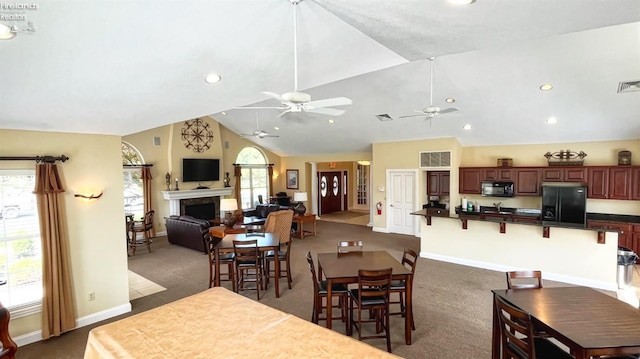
x: 452, y: 303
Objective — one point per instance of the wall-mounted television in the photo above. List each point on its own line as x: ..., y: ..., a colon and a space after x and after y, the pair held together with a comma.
x: 200, y: 169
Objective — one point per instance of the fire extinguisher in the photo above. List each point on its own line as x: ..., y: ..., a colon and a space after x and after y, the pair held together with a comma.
x: 379, y: 207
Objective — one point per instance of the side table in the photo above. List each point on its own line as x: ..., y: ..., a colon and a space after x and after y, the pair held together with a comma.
x: 301, y: 220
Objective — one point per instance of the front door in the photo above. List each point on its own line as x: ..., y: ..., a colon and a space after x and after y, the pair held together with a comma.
x: 401, y: 201
x: 330, y: 190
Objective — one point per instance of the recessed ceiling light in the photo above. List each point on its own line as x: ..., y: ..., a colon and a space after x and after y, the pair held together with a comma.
x: 277, y: 128
x: 546, y: 87
x: 331, y: 121
x: 450, y: 100
x: 552, y: 120
x: 212, y: 78
x: 6, y: 33
x: 462, y: 2
x: 224, y: 113
x: 466, y: 127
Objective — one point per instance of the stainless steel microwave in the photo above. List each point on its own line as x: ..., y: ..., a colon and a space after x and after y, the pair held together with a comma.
x: 497, y: 188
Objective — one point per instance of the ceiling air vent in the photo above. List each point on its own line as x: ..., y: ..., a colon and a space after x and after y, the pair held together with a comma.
x: 384, y: 117
x: 629, y: 86
x: 435, y: 159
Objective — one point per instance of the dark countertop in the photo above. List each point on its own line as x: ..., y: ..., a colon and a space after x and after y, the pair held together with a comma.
x: 529, y: 216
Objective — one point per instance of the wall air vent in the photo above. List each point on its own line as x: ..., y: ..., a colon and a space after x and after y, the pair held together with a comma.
x: 435, y: 159
x: 629, y: 86
x: 384, y: 117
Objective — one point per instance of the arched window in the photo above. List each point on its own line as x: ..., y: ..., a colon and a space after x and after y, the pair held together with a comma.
x: 133, y: 189
x: 254, y: 180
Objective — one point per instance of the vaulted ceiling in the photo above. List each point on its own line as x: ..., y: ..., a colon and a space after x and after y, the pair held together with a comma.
x: 124, y: 67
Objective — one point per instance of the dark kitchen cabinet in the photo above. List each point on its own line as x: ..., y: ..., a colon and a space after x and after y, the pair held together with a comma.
x: 573, y: 174
x: 597, y: 182
x: 528, y: 182
x: 470, y: 180
x: 438, y: 183
x: 498, y: 174
x: 635, y: 183
x: 607, y: 182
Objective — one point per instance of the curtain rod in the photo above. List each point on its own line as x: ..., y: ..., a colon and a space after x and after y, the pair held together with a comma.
x: 140, y: 165
x: 38, y: 159
x: 247, y: 164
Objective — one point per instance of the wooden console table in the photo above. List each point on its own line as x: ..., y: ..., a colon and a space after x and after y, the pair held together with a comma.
x: 221, y: 231
x: 301, y: 220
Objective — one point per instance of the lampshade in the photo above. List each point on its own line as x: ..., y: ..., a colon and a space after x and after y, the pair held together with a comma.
x: 228, y: 204
x: 300, y: 196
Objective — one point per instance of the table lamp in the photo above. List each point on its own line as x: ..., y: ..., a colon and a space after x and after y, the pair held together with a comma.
x: 299, y: 208
x: 229, y: 205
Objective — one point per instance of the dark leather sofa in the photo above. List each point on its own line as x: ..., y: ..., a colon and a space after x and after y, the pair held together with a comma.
x: 259, y: 214
x: 187, y: 231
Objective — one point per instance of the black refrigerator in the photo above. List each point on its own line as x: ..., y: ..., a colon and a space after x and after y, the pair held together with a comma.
x: 564, y: 203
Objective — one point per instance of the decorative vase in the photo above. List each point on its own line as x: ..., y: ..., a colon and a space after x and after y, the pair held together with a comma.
x: 229, y: 220
x: 227, y: 180
x: 299, y: 209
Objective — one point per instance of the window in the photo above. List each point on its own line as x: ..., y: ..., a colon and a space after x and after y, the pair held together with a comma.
x: 133, y: 189
x: 362, y: 181
x: 20, y: 243
x: 254, y: 180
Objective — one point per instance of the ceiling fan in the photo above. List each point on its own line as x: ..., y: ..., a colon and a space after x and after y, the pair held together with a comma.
x: 297, y: 101
x: 431, y: 111
x: 258, y: 133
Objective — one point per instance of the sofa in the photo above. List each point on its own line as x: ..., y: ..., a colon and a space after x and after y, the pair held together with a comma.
x: 187, y: 231
x: 259, y: 214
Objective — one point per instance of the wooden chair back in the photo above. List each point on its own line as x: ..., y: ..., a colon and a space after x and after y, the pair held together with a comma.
x: 524, y: 279
x: 350, y: 246
x: 9, y: 347
x: 374, y: 283
x: 314, y: 277
x: 246, y: 251
x: 409, y: 259
x: 516, y: 331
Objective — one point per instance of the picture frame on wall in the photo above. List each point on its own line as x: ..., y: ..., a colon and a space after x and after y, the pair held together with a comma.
x: 292, y: 179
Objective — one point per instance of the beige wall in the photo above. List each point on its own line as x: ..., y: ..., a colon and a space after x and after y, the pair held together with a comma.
x: 96, y: 230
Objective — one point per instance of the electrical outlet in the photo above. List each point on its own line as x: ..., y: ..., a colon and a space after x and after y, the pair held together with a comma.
x: 92, y: 296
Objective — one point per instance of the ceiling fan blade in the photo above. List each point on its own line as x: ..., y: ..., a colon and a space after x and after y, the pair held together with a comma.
x: 330, y: 102
x: 448, y: 110
x: 273, y: 95
x: 326, y: 111
x: 422, y: 115
x: 283, y: 113
x: 261, y: 108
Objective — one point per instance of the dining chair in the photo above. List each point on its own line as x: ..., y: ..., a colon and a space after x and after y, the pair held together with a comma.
x: 9, y: 347
x: 338, y: 290
x: 227, y: 259
x: 279, y: 222
x: 248, y: 265
x: 144, y: 226
x: 517, y: 337
x: 524, y: 279
x: 350, y: 247
x: 409, y: 259
x: 372, y: 295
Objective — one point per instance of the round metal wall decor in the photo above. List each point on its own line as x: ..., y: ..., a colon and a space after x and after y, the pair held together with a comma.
x: 197, y: 135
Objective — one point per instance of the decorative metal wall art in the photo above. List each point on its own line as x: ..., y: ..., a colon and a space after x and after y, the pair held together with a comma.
x: 197, y: 135
x: 565, y: 158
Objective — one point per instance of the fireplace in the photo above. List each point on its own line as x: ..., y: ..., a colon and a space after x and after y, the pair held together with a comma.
x: 203, y: 208
x: 176, y: 198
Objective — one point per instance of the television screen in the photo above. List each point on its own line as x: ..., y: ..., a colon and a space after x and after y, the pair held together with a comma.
x: 200, y: 169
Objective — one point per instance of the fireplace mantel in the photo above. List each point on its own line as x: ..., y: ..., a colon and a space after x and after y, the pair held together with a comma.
x: 174, y: 197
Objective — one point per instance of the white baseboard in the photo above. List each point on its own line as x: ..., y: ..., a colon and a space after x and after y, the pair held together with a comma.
x: 36, y: 336
x: 380, y: 229
x: 502, y: 268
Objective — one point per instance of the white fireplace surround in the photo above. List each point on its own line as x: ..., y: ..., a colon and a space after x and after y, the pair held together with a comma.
x: 174, y: 197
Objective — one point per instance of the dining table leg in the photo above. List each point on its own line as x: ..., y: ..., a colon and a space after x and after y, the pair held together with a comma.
x: 495, y: 333
x: 329, y: 302
x: 277, y: 269
x: 408, y: 317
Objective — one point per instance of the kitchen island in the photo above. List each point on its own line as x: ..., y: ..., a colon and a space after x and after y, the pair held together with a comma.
x: 570, y: 255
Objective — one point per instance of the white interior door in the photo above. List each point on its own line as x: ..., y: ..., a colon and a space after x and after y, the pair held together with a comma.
x: 401, y: 199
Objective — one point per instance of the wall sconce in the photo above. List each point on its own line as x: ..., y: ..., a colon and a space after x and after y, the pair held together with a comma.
x: 88, y: 198
x: 275, y: 175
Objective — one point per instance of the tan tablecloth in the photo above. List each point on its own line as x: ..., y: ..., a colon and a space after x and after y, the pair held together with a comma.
x: 222, y: 324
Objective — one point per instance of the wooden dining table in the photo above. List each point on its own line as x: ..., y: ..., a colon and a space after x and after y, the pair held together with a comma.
x: 343, y: 268
x: 587, y: 321
x: 266, y: 242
